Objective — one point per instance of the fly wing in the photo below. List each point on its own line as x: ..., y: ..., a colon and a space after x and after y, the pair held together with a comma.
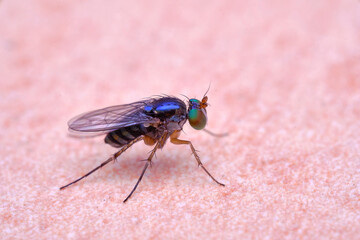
x: 111, y: 118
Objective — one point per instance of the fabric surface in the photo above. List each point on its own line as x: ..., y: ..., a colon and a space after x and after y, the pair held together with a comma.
x: 285, y: 83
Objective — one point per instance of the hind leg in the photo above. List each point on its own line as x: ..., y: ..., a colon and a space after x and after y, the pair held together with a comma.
x: 112, y: 158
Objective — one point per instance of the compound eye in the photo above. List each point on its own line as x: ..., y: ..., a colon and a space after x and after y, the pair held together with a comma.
x: 197, y: 118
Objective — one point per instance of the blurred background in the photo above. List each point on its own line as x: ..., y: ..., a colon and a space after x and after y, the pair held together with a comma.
x: 77, y: 56
x: 285, y: 83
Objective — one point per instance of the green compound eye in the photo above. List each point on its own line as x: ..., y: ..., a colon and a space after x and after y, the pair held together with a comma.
x: 197, y: 118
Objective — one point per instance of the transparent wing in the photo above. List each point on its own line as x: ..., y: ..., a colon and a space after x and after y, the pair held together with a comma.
x: 111, y: 118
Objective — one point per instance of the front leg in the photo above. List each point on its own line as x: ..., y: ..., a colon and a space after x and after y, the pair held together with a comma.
x: 174, y: 139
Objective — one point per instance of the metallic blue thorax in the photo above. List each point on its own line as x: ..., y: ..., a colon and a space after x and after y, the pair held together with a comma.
x: 167, y: 109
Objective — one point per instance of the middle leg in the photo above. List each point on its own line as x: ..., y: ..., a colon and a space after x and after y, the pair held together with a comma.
x: 159, y: 143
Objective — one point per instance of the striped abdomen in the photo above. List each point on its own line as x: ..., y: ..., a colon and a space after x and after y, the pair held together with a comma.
x: 123, y: 136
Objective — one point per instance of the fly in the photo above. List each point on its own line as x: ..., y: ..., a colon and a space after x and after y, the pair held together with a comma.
x: 154, y: 121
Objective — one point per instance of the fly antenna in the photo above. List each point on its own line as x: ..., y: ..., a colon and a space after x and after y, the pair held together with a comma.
x: 207, y: 89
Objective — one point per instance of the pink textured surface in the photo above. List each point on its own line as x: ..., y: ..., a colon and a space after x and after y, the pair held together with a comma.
x: 285, y: 82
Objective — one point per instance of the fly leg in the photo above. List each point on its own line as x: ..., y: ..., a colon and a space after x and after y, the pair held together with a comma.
x: 174, y: 139
x: 159, y: 143
x: 112, y: 158
x: 215, y: 134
